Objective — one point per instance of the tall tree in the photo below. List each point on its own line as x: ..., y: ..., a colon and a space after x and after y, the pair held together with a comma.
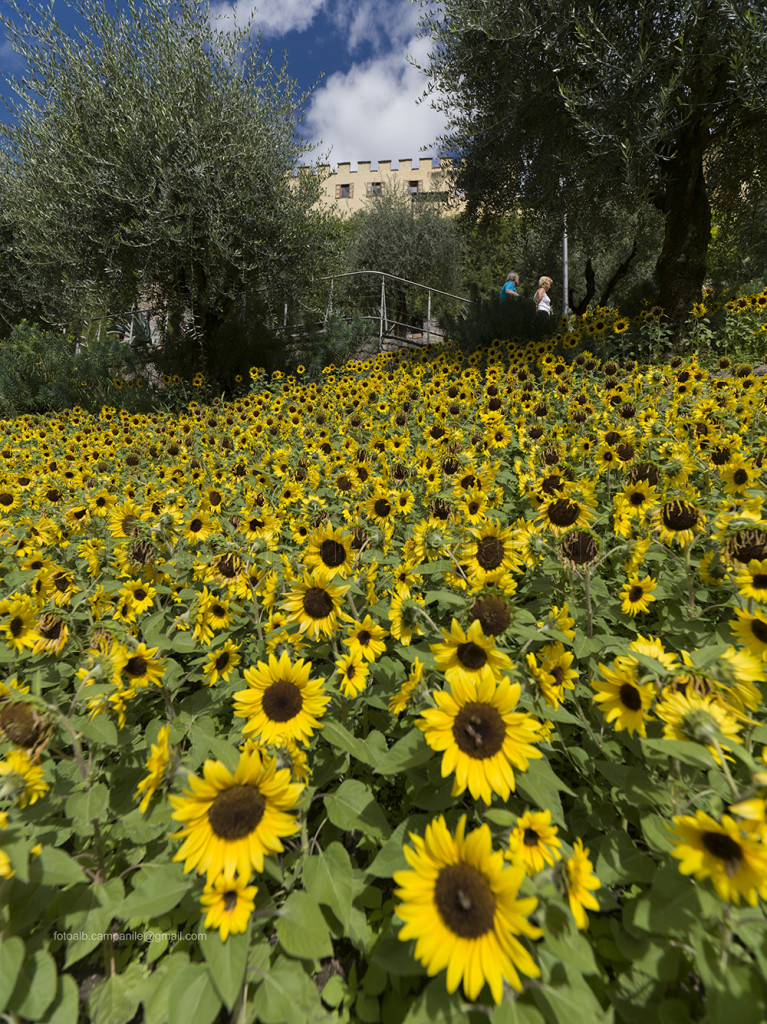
x: 580, y: 104
x: 150, y: 158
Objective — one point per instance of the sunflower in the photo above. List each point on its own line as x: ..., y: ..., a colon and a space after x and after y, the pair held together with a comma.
x: 221, y: 662
x: 622, y: 698
x: 469, y: 656
x: 329, y: 552
x: 142, y: 666
x: 315, y: 605
x: 158, y: 766
x: 752, y: 581
x: 20, y: 779
x: 353, y: 673
x: 482, y: 737
x: 460, y: 904
x: 739, y: 475
x: 752, y: 630
x: 141, y: 595
x: 281, y: 702
x: 380, y: 506
x: 562, y: 514
x: 405, y: 617
x: 491, y: 552
x: 212, y: 614
x: 228, y: 903
x: 19, y: 618
x: 735, y: 861
x: 697, y: 718
x: 533, y: 842
x: 232, y: 820
x: 636, y: 595
x: 401, y: 699
x: 580, y: 882
x: 553, y: 673
x: 678, y: 521
x: 368, y: 638
x: 197, y: 527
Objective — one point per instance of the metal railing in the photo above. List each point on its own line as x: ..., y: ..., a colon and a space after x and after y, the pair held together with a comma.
x: 385, y: 323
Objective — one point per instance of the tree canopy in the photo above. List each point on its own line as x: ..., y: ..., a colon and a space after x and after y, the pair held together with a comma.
x: 579, y: 105
x: 152, y: 158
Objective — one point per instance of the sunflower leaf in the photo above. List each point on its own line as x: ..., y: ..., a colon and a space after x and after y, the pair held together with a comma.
x: 301, y: 928
x: 328, y: 880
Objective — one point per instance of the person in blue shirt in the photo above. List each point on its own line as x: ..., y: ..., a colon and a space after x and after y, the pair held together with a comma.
x: 509, y: 290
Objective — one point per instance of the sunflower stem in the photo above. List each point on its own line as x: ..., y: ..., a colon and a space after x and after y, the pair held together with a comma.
x: 587, y: 592
x: 725, y: 769
x: 690, y: 579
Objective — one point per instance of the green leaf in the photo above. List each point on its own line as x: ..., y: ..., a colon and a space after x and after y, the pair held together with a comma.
x: 656, y: 831
x: 160, y: 888
x: 35, y: 988
x: 391, y: 857
x: 89, y: 805
x: 54, y: 867
x: 687, y: 752
x: 301, y: 928
x: 409, y: 752
x: 539, y: 784
x: 226, y: 962
x: 564, y: 996
x: 619, y: 861
x: 327, y: 877
x: 287, y: 995
x: 65, y: 1008
x: 562, y: 938
x: 116, y: 1000
x: 100, y: 729
x: 671, y: 907
x: 513, y: 1011
x: 11, y: 959
x: 340, y: 738
x: 156, y: 1001
x: 193, y: 998
x: 353, y: 806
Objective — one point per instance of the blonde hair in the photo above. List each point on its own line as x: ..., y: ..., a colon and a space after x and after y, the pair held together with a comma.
x: 545, y: 281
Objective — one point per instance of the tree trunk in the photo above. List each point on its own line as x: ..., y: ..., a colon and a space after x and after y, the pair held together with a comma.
x: 681, y: 266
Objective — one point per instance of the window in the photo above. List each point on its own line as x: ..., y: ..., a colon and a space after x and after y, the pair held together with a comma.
x: 412, y: 188
x: 344, y: 191
x: 374, y: 188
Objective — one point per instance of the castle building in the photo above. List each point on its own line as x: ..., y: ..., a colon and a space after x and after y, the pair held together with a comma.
x: 345, y: 190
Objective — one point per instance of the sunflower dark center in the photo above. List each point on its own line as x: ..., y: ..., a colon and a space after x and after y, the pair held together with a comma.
x: 50, y: 629
x: 136, y: 666
x: 282, y: 701
x: 471, y: 656
x: 218, y: 611
x: 221, y: 661
x: 580, y: 548
x: 759, y: 630
x: 230, y: 901
x: 490, y: 553
x: 363, y: 638
x: 6, y: 499
x: 749, y: 544
x: 465, y: 901
x: 725, y: 848
x: 332, y: 553
x: 196, y: 525
x: 318, y: 603
x: 61, y: 582
x: 16, y: 626
x: 344, y: 483
x: 236, y: 812
x: 739, y: 477
x: 531, y: 837
x: 478, y: 730
x: 630, y: 697
x: 492, y: 613
x: 563, y: 512
x: 382, y: 508
x: 636, y: 593
x: 759, y: 581
x: 637, y: 498
x: 679, y: 515
x: 139, y: 593
x: 18, y: 724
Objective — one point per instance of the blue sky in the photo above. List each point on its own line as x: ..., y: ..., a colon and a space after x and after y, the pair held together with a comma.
x: 364, y: 108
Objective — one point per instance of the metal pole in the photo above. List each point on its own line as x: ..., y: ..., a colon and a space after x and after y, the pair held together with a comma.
x: 383, y: 308
x: 428, y: 317
x: 565, y: 277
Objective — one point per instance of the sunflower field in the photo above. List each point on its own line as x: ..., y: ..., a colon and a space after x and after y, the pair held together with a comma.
x: 429, y: 689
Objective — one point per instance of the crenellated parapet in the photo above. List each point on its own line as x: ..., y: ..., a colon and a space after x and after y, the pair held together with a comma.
x: 345, y: 189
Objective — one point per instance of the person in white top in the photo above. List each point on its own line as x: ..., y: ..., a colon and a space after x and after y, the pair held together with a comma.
x: 541, y: 297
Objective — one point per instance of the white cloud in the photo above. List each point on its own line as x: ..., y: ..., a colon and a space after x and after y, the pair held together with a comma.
x: 382, y: 25
x: 272, y: 17
x: 370, y: 112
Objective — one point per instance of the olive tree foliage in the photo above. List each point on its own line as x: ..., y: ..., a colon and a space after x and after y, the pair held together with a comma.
x: 152, y: 159
x: 408, y: 237
x: 582, y: 106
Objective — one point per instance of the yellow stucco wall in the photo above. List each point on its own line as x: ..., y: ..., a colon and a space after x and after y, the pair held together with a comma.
x: 345, y: 190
